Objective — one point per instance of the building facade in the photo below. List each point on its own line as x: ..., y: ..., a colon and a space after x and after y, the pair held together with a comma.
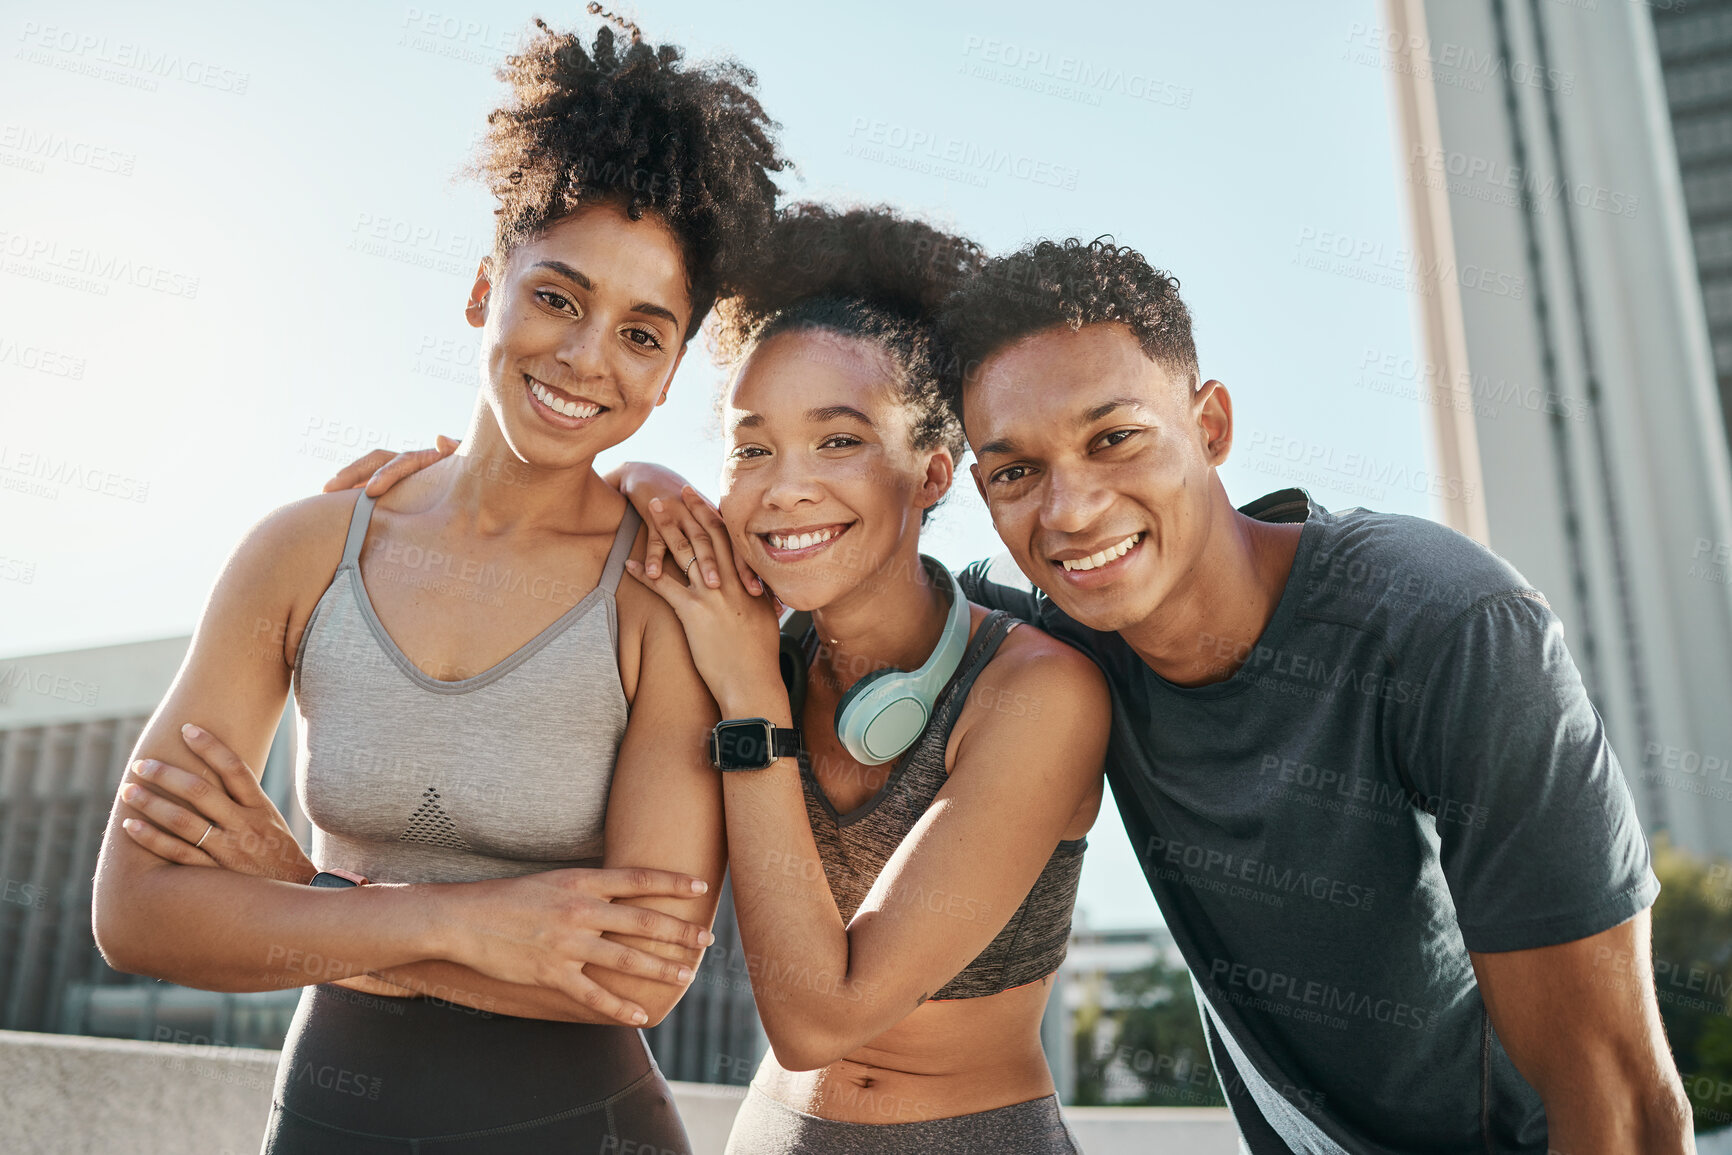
x: 1694, y: 40
x: 1571, y: 364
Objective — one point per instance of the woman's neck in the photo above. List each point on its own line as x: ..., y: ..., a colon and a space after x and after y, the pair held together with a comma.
x: 493, y: 491
x: 893, y: 618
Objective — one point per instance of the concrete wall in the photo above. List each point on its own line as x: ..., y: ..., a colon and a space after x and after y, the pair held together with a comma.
x: 69, y: 1095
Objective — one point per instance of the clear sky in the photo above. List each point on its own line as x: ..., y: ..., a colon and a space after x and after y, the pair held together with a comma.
x: 233, y: 254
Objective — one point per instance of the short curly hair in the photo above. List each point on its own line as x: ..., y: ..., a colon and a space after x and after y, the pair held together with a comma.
x: 633, y: 126
x: 869, y: 273
x: 1073, y: 283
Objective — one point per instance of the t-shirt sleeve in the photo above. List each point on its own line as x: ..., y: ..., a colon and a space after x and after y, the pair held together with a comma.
x: 1540, y: 841
x: 998, y: 584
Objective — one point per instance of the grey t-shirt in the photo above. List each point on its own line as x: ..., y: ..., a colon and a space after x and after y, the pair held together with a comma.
x: 1405, y: 768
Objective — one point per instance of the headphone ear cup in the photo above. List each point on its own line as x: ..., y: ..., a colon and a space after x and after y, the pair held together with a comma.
x: 885, y: 712
x: 846, y: 710
x: 880, y: 716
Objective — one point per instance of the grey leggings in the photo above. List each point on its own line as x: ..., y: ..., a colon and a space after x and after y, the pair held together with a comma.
x: 767, y: 1127
x: 362, y: 1075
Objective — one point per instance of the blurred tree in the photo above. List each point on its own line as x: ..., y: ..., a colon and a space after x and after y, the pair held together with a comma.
x: 1693, y: 975
x: 1144, y: 1045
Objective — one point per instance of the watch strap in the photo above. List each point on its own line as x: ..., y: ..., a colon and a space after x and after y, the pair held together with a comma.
x: 785, y: 742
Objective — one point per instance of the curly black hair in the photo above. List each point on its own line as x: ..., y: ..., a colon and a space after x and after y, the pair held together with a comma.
x: 1073, y: 283
x: 868, y: 273
x: 630, y: 124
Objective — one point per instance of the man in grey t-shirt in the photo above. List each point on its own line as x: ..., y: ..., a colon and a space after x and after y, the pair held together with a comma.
x: 1351, y: 749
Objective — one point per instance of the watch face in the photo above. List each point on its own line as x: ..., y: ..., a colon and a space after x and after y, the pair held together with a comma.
x: 332, y: 880
x: 743, y: 746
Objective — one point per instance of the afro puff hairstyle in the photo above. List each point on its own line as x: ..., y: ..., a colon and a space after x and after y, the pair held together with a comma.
x: 629, y: 124
x: 1069, y: 283
x: 866, y: 273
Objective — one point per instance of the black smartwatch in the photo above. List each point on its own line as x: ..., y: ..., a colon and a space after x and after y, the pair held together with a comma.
x: 751, y: 744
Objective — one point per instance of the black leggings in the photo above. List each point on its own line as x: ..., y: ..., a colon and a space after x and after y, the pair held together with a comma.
x: 362, y: 1075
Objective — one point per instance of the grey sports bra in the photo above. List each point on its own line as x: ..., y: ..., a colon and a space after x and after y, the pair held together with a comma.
x: 855, y: 846
x: 407, y: 778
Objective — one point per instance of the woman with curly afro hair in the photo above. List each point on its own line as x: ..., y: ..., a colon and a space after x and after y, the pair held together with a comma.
x: 909, y: 865
x: 517, y: 838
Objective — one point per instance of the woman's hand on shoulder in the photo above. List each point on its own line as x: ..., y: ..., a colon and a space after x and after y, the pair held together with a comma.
x: 678, y: 524
x: 379, y: 470
x: 730, y: 631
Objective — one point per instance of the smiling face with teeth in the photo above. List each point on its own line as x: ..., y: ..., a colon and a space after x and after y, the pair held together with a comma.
x: 821, y: 485
x: 582, y: 329
x: 1098, y: 467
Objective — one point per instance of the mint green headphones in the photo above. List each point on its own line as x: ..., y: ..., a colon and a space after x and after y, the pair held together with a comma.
x: 883, y: 713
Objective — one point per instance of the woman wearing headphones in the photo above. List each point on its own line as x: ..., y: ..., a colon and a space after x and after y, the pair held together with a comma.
x: 905, y: 843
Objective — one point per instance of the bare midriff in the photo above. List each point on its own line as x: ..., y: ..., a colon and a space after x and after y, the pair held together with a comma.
x: 952, y: 1057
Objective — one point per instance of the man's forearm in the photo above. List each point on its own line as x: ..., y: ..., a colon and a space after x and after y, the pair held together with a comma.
x: 1580, y: 1021
x: 1649, y: 1139
x: 1610, y: 1117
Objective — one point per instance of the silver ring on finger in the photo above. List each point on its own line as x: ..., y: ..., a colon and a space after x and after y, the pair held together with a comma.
x: 204, y: 836
x: 688, y: 570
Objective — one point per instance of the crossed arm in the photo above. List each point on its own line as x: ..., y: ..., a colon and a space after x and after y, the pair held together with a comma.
x: 665, y: 807
x: 519, y: 946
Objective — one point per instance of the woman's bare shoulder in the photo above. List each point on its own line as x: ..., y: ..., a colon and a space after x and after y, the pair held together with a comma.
x: 1030, y: 652
x: 282, y: 565
x: 1033, y: 680
x: 301, y: 538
